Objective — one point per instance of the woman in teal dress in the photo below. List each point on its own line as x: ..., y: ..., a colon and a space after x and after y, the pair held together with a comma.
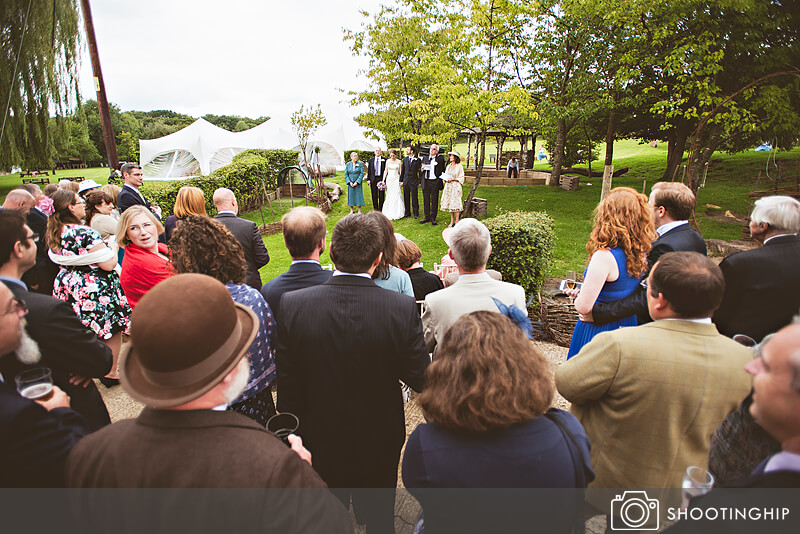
x: 353, y: 176
x: 618, y: 246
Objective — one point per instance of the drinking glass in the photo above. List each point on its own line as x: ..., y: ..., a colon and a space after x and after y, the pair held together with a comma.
x: 35, y: 384
x: 697, y: 481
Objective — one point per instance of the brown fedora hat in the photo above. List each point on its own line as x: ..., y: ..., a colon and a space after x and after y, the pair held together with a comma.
x: 187, y: 334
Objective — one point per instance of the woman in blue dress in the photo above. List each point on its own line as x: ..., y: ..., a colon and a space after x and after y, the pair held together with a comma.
x: 618, y: 246
x: 353, y: 176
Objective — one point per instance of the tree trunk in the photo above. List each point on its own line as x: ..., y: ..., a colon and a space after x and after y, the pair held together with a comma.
x: 710, y: 139
x: 480, y: 145
x: 558, y: 153
x: 676, y: 144
x: 469, y: 146
x: 500, y: 140
x: 610, y: 134
x: 523, y: 149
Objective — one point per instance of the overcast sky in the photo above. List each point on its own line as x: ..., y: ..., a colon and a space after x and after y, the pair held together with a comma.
x: 232, y: 57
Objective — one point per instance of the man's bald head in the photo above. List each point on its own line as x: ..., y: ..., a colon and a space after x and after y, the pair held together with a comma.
x: 19, y: 200
x: 304, y: 232
x: 225, y: 200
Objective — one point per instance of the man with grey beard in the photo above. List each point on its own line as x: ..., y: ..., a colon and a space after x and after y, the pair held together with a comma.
x: 35, y: 436
x: 69, y: 349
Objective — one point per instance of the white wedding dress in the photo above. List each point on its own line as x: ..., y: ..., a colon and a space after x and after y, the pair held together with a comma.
x: 393, y: 207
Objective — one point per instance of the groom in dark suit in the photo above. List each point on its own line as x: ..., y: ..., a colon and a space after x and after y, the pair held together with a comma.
x: 304, y: 235
x: 343, y: 346
x: 409, y: 181
x: 672, y: 205
x: 432, y: 169
x: 375, y: 167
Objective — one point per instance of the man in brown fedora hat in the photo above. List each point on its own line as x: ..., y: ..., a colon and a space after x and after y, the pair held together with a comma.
x: 186, y: 363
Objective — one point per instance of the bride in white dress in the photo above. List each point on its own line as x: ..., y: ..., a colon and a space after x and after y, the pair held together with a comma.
x: 393, y: 207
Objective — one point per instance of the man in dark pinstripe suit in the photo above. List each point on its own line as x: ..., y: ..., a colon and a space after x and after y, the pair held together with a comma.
x: 343, y: 347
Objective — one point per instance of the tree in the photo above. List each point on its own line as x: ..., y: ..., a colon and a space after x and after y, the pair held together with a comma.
x: 305, y: 123
x: 38, y: 58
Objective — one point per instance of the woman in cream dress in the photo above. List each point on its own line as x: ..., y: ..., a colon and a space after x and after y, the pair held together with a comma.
x: 453, y: 180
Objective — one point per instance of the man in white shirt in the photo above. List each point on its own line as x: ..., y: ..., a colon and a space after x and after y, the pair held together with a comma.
x: 432, y: 169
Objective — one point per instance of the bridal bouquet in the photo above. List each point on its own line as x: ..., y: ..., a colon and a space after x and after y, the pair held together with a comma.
x: 381, y: 185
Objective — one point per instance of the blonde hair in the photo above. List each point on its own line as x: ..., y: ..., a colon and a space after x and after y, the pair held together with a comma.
x: 127, y: 217
x: 624, y: 219
x: 112, y: 190
x: 190, y: 201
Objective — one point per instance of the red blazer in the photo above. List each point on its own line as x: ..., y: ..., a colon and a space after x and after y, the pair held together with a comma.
x: 141, y: 270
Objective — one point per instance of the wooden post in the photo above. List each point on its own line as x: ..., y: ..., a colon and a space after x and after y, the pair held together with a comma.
x: 469, y: 145
x: 608, y: 171
x: 100, y: 88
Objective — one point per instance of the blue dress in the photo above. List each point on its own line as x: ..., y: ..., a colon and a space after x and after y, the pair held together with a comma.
x: 354, y: 173
x: 612, y: 291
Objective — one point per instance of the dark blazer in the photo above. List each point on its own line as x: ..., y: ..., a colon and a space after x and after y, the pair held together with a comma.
x: 440, y: 166
x: 424, y: 282
x: 371, y: 176
x: 411, y: 169
x: 247, y: 234
x: 67, y: 347
x: 34, y: 443
x: 128, y: 197
x: 299, y: 276
x: 342, y: 348
x: 680, y: 239
x: 42, y: 274
x: 762, y: 288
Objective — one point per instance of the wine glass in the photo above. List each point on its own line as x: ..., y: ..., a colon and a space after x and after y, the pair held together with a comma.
x: 570, y: 281
x: 697, y: 481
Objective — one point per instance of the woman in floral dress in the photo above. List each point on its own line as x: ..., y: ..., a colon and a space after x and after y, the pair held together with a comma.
x: 87, y: 280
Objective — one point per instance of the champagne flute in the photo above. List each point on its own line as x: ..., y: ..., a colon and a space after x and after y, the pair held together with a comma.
x: 697, y: 481
x: 570, y: 282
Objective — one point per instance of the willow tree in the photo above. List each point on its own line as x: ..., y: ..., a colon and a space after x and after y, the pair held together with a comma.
x: 39, y: 60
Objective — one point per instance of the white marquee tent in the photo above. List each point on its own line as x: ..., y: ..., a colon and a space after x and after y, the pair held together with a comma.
x: 201, y: 147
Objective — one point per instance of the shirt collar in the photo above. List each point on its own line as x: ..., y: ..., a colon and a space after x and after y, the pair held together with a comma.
x: 699, y: 320
x: 226, y: 211
x: 131, y: 187
x: 14, y: 281
x: 305, y: 261
x: 767, y: 240
x: 362, y: 275
x: 664, y: 228
x: 783, y: 461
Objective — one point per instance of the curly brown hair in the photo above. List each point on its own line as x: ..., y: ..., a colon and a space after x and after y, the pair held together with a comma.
x: 201, y: 245
x: 62, y: 200
x: 624, y: 219
x: 487, y: 376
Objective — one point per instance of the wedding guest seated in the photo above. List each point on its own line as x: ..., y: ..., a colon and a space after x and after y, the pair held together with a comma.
x: 201, y: 245
x: 146, y: 260
x: 486, y: 403
x: 388, y: 275
x: 187, y: 359
x: 408, y: 259
x: 304, y: 235
x: 448, y: 270
x: 189, y: 201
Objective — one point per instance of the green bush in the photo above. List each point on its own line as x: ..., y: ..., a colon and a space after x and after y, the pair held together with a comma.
x: 244, y: 176
x: 363, y: 155
x: 522, y: 246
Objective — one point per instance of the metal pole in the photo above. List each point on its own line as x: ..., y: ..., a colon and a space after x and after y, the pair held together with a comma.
x: 100, y: 88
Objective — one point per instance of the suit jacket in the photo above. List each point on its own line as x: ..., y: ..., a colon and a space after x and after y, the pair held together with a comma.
x: 762, y: 288
x: 128, y: 197
x: 650, y: 397
x: 439, y: 169
x: 411, y: 169
x: 371, y: 176
x: 682, y: 238
x: 343, y: 346
x: 43, y: 273
x: 247, y: 234
x: 471, y: 293
x: 299, y: 276
x: 34, y: 443
x: 424, y: 282
x: 67, y: 347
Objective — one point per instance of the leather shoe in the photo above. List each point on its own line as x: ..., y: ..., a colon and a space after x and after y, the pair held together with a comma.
x: 434, y: 223
x: 423, y: 221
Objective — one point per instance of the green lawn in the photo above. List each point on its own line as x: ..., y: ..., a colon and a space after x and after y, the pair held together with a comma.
x: 730, y: 177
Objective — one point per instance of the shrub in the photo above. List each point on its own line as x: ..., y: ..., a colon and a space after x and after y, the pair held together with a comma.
x: 244, y: 176
x: 522, y: 246
x: 363, y: 155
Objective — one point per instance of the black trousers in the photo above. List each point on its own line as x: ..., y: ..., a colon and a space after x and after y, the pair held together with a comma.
x: 430, y: 198
x: 513, y: 172
x: 411, y: 198
x: 378, y: 196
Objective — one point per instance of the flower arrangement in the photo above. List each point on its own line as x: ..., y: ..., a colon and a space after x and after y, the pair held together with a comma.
x: 381, y: 185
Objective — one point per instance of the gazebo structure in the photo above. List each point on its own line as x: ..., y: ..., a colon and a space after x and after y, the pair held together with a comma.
x: 526, y: 160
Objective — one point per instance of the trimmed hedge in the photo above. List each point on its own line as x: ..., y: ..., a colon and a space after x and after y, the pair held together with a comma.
x: 522, y: 247
x: 365, y: 155
x: 244, y: 176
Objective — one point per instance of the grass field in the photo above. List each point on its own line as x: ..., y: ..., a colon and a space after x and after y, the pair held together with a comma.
x: 730, y: 178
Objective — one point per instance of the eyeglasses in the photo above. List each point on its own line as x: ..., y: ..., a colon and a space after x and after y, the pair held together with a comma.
x: 33, y: 237
x: 16, y: 306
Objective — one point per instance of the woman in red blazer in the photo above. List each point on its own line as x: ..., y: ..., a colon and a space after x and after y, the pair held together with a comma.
x: 146, y: 260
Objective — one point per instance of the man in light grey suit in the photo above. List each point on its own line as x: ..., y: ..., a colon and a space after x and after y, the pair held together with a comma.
x: 470, y: 245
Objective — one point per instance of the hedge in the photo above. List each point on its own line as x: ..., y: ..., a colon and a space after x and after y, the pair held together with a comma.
x: 244, y: 176
x: 522, y: 247
x: 365, y: 155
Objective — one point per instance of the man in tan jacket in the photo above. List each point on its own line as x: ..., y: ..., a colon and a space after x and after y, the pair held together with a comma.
x: 650, y: 396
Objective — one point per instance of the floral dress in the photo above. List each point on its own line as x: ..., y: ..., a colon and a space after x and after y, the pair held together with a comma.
x: 95, y: 295
x: 451, y: 196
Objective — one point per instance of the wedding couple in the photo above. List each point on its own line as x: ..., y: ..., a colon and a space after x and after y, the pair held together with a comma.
x: 384, y: 178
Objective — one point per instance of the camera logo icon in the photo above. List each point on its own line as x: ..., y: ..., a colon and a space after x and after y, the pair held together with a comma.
x: 633, y: 510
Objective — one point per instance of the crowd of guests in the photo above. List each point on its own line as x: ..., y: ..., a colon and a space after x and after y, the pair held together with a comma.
x: 652, y: 371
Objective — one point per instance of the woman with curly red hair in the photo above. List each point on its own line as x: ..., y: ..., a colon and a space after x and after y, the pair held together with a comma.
x: 618, y: 246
